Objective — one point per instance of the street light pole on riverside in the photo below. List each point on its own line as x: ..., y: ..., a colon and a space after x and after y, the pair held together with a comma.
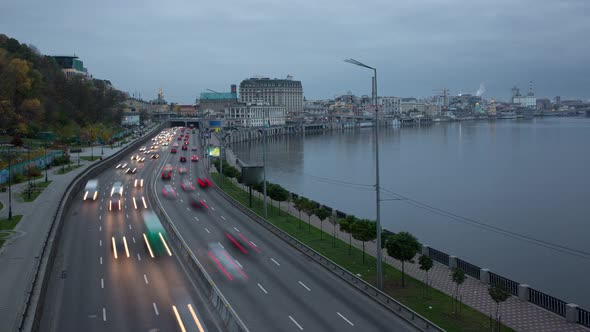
x: 264, y: 169
x: 377, y: 189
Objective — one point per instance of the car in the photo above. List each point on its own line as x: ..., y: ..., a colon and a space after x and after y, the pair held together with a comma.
x: 173, y: 150
x: 182, y: 170
x: 204, y: 183
x: 142, y: 148
x: 155, y: 156
x: 124, y: 166
x: 167, y: 172
x: 179, y: 139
x: 183, y: 159
x: 194, y: 157
x: 131, y: 170
x: 165, y: 143
x: 91, y: 190
x: 194, y: 148
x: 184, y: 148
x: 197, y: 203
x: 185, y: 143
x: 187, y: 185
x: 175, y: 145
x: 116, y: 195
x: 168, y: 191
x: 138, y: 183
x: 135, y: 157
x: 141, y: 160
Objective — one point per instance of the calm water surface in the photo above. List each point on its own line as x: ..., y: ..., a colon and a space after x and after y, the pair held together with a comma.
x: 530, y: 177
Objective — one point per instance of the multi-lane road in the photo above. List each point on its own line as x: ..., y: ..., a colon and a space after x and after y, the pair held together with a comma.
x: 270, y: 285
x: 91, y: 290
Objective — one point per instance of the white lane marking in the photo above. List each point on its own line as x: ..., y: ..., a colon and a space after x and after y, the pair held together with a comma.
x: 198, y: 194
x: 220, y: 245
x: 254, y: 244
x: 188, y: 209
x: 295, y: 322
x: 129, y: 226
x: 240, y: 265
x: 156, y: 309
x: 222, y: 217
x: 181, y: 201
x: 100, y: 243
x: 197, y: 218
x: 302, y: 284
x: 99, y: 217
x: 138, y: 257
x: 101, y: 260
x: 207, y: 231
x: 272, y: 259
x: 133, y: 239
x: 127, y: 214
x: 342, y: 316
x: 205, y: 201
x: 212, y: 208
x: 104, y: 314
x: 101, y: 283
x: 237, y: 230
x: 264, y: 290
x: 100, y: 208
x: 145, y: 278
x: 100, y: 228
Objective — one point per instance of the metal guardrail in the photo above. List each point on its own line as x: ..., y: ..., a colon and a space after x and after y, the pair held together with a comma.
x: 438, y: 256
x: 380, y: 297
x: 223, y: 307
x: 55, y: 229
x: 470, y: 269
x: 510, y: 285
x: 547, y: 302
x: 583, y: 317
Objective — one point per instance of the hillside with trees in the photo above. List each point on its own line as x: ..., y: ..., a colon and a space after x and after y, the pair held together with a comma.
x: 35, y: 96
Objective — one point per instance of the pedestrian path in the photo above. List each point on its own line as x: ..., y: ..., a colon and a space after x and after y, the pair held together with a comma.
x: 517, y: 314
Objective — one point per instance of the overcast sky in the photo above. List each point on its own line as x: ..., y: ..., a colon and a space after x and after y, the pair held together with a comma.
x: 187, y: 46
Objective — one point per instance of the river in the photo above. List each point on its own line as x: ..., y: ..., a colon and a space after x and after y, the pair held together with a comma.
x: 529, y: 177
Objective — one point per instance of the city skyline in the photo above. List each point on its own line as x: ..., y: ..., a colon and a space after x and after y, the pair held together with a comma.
x: 187, y: 48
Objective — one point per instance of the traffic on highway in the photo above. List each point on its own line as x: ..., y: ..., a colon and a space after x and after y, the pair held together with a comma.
x: 117, y: 269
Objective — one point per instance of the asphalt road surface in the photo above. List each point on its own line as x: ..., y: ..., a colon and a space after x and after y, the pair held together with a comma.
x: 270, y: 285
x: 91, y: 290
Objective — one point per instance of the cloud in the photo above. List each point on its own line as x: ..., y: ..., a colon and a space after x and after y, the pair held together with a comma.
x: 186, y: 46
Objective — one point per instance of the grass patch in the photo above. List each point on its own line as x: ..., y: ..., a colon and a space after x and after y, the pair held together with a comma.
x: 67, y: 169
x: 1, y: 206
x: 35, y: 190
x: 90, y: 158
x: 436, y: 307
x: 7, y: 225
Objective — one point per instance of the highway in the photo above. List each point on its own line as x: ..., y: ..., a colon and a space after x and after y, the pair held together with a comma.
x: 92, y: 290
x: 269, y: 284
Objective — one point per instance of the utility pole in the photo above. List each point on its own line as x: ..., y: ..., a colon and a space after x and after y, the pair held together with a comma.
x: 264, y: 169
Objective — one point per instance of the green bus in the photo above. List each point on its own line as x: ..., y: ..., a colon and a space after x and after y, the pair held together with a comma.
x: 155, y: 237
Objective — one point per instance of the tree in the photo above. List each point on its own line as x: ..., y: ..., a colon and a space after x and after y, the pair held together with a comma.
x: 309, y: 208
x: 298, y: 204
x: 364, y: 230
x: 499, y: 294
x: 279, y: 194
x: 458, y: 276
x: 426, y: 264
x: 322, y: 214
x: 334, y: 221
x: 346, y: 226
x: 403, y: 246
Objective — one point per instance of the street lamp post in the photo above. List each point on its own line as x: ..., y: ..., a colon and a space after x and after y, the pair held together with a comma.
x: 28, y: 169
x: 45, y: 159
x: 264, y: 170
x: 377, y: 189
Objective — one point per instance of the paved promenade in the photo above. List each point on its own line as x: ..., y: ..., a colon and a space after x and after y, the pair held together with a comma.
x: 19, y: 254
x: 519, y: 315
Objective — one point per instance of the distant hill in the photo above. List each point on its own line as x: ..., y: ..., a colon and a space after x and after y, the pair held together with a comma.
x: 35, y: 96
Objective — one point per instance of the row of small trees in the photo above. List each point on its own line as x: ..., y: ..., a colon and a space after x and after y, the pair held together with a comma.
x: 402, y: 246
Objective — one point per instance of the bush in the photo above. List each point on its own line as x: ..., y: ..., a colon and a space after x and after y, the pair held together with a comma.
x: 33, y: 171
x: 61, y: 160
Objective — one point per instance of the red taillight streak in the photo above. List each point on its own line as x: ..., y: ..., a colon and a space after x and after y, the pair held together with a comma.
x: 251, y: 245
x: 242, y: 249
x: 204, y: 205
x: 220, y: 266
x: 235, y: 265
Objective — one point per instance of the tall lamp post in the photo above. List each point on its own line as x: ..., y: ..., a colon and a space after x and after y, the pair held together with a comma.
x: 45, y: 159
x: 377, y: 189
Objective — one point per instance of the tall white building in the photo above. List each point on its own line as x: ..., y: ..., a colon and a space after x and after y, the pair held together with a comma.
x: 255, y: 115
x: 390, y: 106
x: 275, y: 92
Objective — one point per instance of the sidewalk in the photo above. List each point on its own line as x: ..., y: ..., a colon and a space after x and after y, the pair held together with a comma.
x: 519, y: 315
x: 19, y: 254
